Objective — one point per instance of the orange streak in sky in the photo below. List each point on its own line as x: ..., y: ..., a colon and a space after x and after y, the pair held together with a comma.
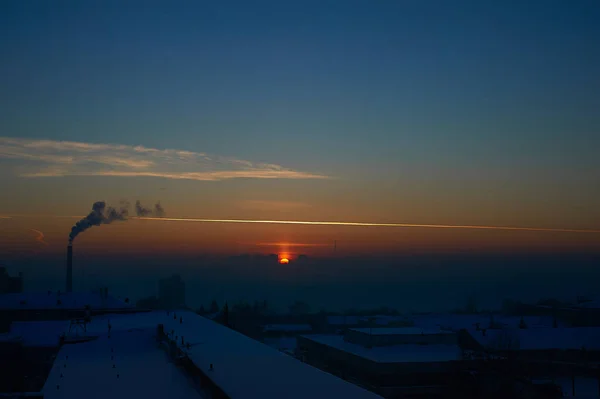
x: 324, y: 223
x: 40, y: 237
x: 291, y: 244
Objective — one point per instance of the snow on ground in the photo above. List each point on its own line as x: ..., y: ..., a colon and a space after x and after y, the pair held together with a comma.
x: 70, y: 300
x: 142, y: 370
x: 404, y: 353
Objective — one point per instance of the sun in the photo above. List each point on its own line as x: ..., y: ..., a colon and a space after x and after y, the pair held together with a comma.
x: 284, y: 261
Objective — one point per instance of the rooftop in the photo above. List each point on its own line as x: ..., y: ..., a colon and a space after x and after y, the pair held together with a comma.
x: 455, y: 322
x: 85, y: 370
x: 405, y: 353
x: 245, y: 368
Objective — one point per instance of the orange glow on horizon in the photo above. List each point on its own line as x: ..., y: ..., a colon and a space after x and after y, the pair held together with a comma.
x: 284, y: 261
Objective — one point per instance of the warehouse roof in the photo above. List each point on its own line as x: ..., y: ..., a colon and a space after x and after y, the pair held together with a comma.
x: 400, y: 331
x: 404, y: 353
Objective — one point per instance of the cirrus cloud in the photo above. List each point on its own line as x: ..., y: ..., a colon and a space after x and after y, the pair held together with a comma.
x: 49, y: 158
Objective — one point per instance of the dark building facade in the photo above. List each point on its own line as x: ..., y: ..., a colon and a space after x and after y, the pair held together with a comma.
x: 8, y: 284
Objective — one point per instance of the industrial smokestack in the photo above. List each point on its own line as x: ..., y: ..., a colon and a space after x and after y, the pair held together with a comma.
x: 100, y: 214
x: 69, y: 287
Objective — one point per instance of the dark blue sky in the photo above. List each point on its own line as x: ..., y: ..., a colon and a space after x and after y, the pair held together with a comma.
x: 398, y: 98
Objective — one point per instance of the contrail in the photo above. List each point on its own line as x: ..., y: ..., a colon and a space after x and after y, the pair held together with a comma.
x: 325, y: 223
x: 40, y: 237
x: 290, y: 244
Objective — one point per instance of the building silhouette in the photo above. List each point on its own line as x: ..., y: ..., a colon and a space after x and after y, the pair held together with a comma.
x: 171, y: 292
x: 8, y: 284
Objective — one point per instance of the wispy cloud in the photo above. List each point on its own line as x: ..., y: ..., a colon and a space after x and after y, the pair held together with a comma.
x: 48, y: 158
x: 40, y: 237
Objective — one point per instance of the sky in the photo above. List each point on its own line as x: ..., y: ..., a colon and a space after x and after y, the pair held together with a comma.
x: 473, y: 113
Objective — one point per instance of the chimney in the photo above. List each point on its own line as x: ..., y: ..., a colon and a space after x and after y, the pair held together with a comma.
x: 69, y: 287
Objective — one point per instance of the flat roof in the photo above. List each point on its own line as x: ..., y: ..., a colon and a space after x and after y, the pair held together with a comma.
x: 69, y: 300
x: 400, y: 331
x: 245, y: 368
x: 404, y: 353
x: 455, y: 322
x: 141, y: 370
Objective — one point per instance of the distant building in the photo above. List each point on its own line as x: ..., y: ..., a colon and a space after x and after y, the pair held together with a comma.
x: 565, y: 358
x: 171, y: 292
x: 392, y: 362
x: 8, y: 284
x: 30, y: 306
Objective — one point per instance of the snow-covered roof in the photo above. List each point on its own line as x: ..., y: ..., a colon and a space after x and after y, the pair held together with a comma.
x: 382, y: 320
x: 85, y: 370
x: 539, y: 338
x: 404, y: 353
x: 287, y: 328
x: 245, y: 368
x: 455, y: 322
x: 400, y: 331
x: 70, y: 300
x: 242, y: 367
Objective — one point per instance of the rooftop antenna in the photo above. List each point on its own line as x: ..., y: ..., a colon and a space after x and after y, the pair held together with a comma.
x: 334, y: 245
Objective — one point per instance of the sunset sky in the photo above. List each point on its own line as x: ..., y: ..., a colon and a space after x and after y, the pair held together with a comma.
x: 418, y: 112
